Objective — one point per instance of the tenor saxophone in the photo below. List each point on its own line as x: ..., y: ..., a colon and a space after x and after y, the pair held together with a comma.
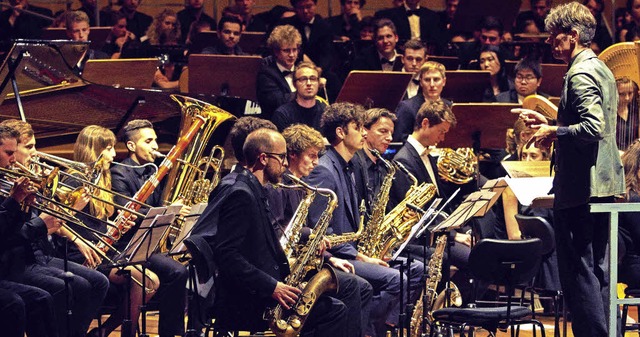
x: 289, y: 323
x: 429, y: 296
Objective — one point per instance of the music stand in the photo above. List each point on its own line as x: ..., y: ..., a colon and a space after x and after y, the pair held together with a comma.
x: 475, y: 205
x: 480, y: 125
x: 224, y: 75
x: 466, y: 85
x: 121, y: 73
x: 470, y: 12
x: 380, y: 89
x: 189, y: 220
x: 36, y: 65
x: 250, y: 42
x: 97, y: 35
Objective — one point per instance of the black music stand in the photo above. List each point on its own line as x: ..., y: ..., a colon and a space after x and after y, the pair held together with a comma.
x: 224, y: 75
x: 121, y: 73
x: 250, y: 42
x: 476, y: 204
x: 35, y: 65
x: 380, y: 89
x: 466, y: 85
x: 97, y: 35
x: 480, y: 125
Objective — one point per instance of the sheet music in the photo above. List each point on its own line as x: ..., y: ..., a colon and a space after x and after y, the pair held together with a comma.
x: 527, y: 189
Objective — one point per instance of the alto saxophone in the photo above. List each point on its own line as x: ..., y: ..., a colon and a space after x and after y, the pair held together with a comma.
x: 370, y: 240
x: 428, y: 295
x: 289, y: 323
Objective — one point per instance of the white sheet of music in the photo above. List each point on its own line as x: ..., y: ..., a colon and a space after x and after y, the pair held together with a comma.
x: 527, y: 189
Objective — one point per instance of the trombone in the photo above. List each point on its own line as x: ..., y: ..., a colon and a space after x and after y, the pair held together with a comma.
x: 61, y: 211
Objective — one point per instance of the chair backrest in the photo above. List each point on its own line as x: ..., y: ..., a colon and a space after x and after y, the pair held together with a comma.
x: 507, y: 262
x: 537, y: 227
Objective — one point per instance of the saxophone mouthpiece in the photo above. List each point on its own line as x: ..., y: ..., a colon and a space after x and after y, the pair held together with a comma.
x: 157, y: 154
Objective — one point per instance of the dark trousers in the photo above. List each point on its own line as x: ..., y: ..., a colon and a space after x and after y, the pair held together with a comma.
x: 355, y: 292
x: 87, y: 290
x: 328, y: 318
x: 26, y: 303
x: 581, y: 244
x: 171, y: 295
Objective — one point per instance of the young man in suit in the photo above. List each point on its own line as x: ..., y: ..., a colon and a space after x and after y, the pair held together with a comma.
x: 141, y: 142
x: 275, y: 83
x: 413, y: 21
x: 383, y: 56
x: 433, y: 78
x: 415, y: 55
x: 251, y: 264
x: 342, y: 125
x: 527, y: 81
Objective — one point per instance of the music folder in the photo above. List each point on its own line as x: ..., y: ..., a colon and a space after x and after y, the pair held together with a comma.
x: 375, y: 89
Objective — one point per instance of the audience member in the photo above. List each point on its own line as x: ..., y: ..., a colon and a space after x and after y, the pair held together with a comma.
x: 16, y: 24
x: 229, y: 33
x: 537, y: 14
x: 118, y: 37
x: 415, y: 54
x: 346, y: 25
x: 261, y: 22
x: 527, y: 81
x: 367, y: 28
x: 602, y: 39
x: 446, y: 16
x: 305, y: 109
x: 193, y: 12
x: 137, y: 22
x: 413, y: 21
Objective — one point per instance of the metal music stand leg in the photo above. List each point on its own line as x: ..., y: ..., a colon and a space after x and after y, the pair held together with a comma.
x: 191, y: 331
x: 143, y: 307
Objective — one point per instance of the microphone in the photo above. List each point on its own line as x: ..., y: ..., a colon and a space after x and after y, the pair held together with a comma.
x: 157, y: 154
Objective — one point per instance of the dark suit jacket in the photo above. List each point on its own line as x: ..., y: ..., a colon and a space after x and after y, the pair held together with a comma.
x: 26, y: 26
x: 319, y: 45
x: 187, y: 16
x: 329, y: 174
x: 406, y: 113
x: 339, y: 27
x: 248, y: 255
x: 369, y: 60
x: 271, y: 88
x: 430, y: 27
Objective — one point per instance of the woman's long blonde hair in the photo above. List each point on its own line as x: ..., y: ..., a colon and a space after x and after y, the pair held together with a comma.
x: 91, y: 141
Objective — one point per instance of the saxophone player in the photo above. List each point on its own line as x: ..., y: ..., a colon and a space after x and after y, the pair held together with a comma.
x: 252, y: 266
x: 141, y: 142
x: 370, y: 173
x: 342, y: 125
x: 304, y: 145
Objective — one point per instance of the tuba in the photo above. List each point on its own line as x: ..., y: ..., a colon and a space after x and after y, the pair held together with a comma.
x: 288, y: 323
x: 457, y: 166
x: 187, y: 181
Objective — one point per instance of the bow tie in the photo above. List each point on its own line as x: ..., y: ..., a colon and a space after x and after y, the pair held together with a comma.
x: 415, y: 81
x: 385, y: 61
x: 286, y: 73
x: 413, y: 12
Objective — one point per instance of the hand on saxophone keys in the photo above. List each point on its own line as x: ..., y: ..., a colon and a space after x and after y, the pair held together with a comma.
x: 286, y: 295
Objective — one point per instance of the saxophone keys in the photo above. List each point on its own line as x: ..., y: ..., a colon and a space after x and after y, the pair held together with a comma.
x: 281, y: 325
x: 295, y: 322
x: 305, y: 304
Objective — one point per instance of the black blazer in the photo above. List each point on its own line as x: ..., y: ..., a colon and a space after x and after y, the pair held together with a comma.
x: 369, y: 60
x: 319, y: 45
x: 248, y: 255
x: 430, y: 27
x: 272, y: 88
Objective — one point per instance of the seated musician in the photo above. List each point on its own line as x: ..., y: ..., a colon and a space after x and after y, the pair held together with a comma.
x: 432, y: 78
x: 193, y: 14
x: 370, y: 174
x: 19, y: 302
x: 383, y: 56
x: 346, y: 25
x: 415, y: 55
x: 78, y: 29
x: 15, y: 24
x: 528, y: 77
x: 628, y: 119
x: 95, y: 146
x: 229, y: 34
x: 305, y: 108
x: 251, y: 264
x: 275, y: 83
x: 140, y: 139
x: 118, y: 37
x: 88, y: 287
x: 137, y: 22
x: 341, y: 124
x: 304, y: 144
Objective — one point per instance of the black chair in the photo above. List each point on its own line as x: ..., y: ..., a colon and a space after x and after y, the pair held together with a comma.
x: 501, y: 262
x: 539, y: 227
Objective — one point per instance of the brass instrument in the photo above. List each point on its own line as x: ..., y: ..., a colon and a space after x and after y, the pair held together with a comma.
x: 288, y: 323
x: 376, y: 228
x: 428, y: 295
x: 338, y: 239
x: 457, y: 166
x: 187, y: 182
